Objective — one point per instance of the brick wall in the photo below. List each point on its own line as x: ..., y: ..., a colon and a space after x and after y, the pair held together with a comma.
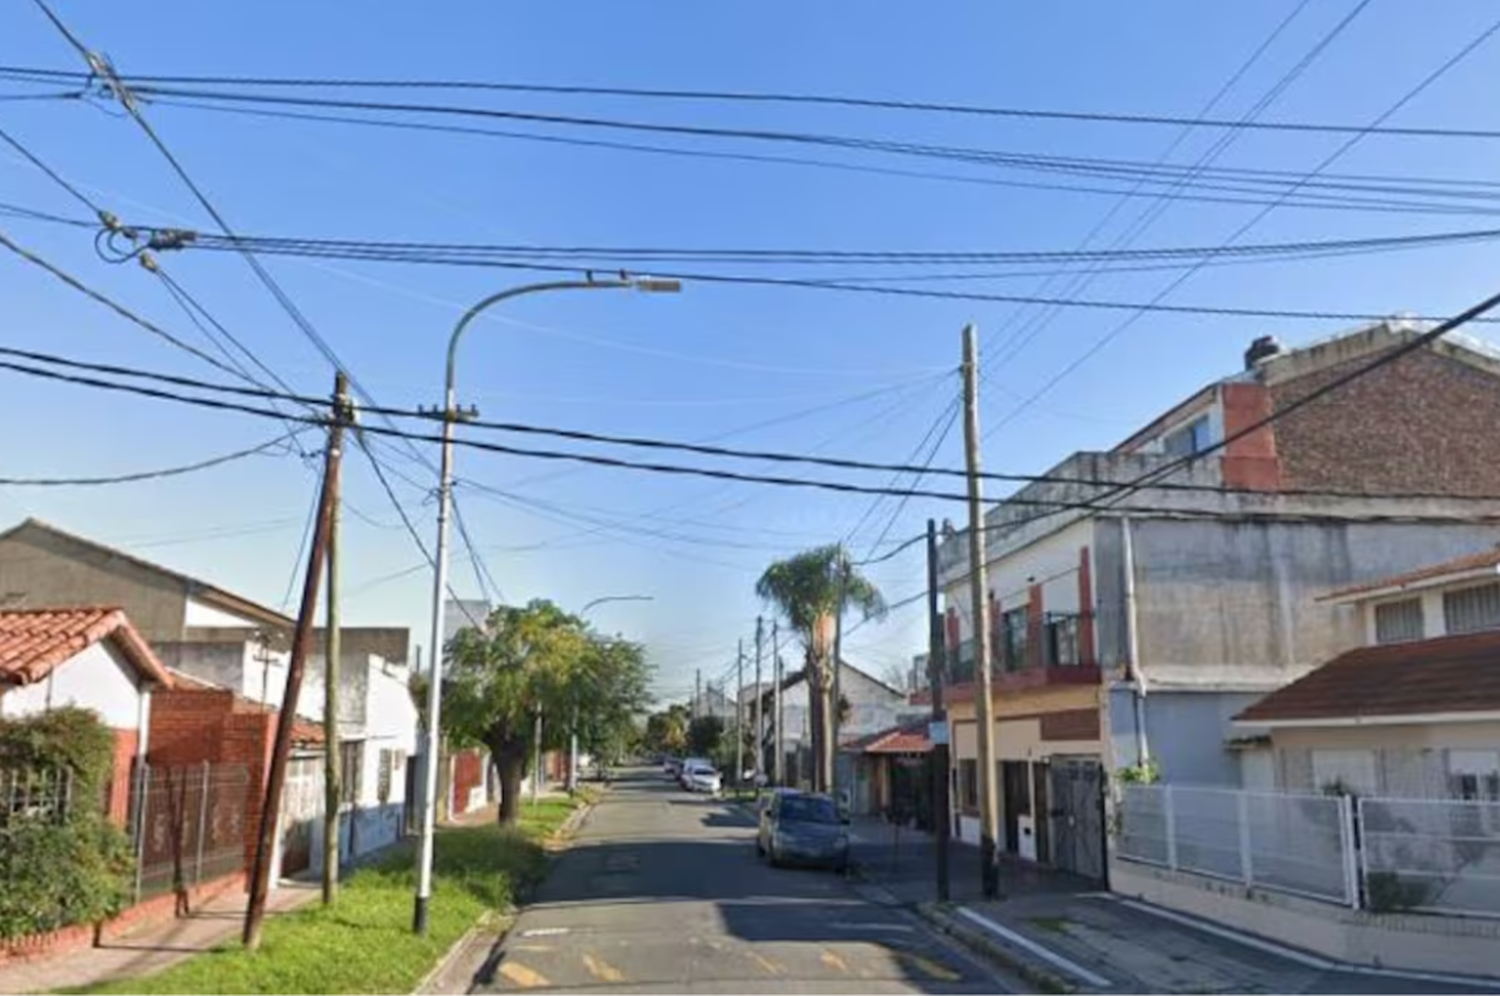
x: 127, y: 742
x: 1422, y: 423
x: 468, y: 774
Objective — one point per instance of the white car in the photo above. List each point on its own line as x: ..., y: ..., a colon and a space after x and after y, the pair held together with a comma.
x: 702, y: 778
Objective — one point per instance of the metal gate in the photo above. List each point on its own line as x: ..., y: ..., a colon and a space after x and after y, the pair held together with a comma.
x: 1077, y: 816
x: 189, y: 824
x: 301, y: 807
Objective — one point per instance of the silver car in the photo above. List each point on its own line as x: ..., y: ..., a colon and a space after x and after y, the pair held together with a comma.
x: 803, y: 828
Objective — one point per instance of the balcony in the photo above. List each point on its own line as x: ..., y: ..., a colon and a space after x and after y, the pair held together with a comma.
x: 1015, y: 668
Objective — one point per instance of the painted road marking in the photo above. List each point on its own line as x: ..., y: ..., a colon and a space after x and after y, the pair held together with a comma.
x: 522, y: 976
x: 930, y: 968
x: 544, y: 931
x: 834, y: 962
x: 602, y: 970
x: 1047, y: 954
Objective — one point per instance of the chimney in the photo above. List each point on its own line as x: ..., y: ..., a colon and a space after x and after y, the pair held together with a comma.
x: 1263, y: 348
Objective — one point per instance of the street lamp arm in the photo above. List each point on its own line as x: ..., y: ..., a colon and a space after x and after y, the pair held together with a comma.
x: 614, y: 598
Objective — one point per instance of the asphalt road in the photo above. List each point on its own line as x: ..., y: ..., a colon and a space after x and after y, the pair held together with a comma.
x: 662, y: 892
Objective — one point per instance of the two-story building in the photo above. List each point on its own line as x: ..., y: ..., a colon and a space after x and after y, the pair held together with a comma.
x: 1133, y: 624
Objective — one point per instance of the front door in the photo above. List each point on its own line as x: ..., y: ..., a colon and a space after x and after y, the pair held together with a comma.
x: 1017, y: 796
x: 1039, y: 779
x: 1077, y: 787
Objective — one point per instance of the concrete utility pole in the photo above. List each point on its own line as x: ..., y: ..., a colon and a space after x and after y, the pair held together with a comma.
x: 937, y: 667
x: 989, y: 814
x: 760, y: 694
x: 270, y: 811
x: 831, y: 755
x: 332, y: 646
x: 739, y: 713
x: 778, y: 763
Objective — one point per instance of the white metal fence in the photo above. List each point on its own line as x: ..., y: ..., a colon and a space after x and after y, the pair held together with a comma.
x: 1300, y: 844
x: 1442, y: 856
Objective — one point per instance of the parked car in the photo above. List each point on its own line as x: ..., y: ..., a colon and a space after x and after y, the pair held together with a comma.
x: 673, y: 767
x: 690, y: 762
x: 803, y: 828
x: 702, y: 777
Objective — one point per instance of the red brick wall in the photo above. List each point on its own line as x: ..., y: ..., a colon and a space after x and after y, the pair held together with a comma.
x: 127, y: 742
x: 1035, y: 629
x: 1422, y: 423
x: 468, y: 773
x: 1250, y: 462
x: 1085, y: 608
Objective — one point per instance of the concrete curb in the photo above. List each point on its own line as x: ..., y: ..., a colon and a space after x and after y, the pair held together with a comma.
x: 992, y: 950
x: 477, y: 945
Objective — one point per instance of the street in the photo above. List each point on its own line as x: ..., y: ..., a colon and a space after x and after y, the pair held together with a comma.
x: 662, y: 892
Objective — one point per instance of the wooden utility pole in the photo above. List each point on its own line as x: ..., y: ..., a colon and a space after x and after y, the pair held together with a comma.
x: 760, y: 694
x: 942, y: 818
x: 739, y: 713
x: 332, y: 647
x: 828, y: 763
x: 778, y: 763
x: 270, y: 811
x: 989, y: 814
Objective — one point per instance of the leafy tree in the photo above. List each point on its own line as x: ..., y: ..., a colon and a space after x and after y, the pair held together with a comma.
x: 666, y: 731
x: 809, y: 590
x: 537, y: 661
x: 705, y: 735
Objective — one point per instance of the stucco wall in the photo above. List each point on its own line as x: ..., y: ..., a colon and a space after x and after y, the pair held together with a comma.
x: 97, y: 678
x: 1186, y: 733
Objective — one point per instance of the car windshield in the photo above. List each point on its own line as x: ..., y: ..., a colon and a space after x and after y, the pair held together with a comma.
x: 808, y: 809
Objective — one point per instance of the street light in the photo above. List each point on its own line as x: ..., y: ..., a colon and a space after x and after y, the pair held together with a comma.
x: 573, y: 736
x: 451, y: 415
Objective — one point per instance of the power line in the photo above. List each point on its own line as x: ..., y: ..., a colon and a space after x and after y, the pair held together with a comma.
x: 151, y: 475
x: 1101, y: 117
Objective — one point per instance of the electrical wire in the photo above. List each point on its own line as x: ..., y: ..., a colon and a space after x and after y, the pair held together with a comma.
x: 152, y: 475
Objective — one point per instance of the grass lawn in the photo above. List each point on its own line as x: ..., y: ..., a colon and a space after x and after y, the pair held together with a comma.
x: 364, y: 944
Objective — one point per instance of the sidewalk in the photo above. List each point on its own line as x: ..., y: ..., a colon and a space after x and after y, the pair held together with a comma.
x: 1063, y: 934
x: 152, y: 948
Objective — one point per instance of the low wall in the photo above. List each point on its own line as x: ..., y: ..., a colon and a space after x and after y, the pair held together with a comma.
x: 158, y: 909
x: 1411, y: 941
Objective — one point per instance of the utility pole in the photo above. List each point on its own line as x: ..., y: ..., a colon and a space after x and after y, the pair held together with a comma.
x: 760, y: 694
x: 739, y: 713
x: 937, y: 667
x: 270, y: 812
x: 536, y: 758
x: 989, y: 817
x: 779, y: 761
x: 831, y: 755
x: 697, y: 692
x: 332, y: 647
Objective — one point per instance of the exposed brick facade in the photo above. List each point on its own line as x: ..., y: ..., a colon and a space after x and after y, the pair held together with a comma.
x: 1087, y: 654
x: 1424, y: 423
x: 117, y: 801
x: 468, y: 774
x: 1249, y: 462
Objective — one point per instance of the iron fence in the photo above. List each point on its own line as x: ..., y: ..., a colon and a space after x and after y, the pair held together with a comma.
x: 33, y: 794
x: 188, y: 823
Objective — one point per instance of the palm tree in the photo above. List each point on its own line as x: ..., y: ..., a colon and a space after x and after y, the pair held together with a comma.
x: 810, y: 590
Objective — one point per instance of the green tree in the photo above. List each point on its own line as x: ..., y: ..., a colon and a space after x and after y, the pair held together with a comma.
x: 666, y: 730
x: 537, y: 661
x: 809, y: 590
x: 705, y: 736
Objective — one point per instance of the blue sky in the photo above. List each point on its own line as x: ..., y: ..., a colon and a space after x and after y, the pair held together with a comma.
x: 837, y: 373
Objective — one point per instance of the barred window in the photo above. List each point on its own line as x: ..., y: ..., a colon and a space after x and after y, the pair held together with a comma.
x: 1472, y: 609
x: 41, y: 794
x: 1014, y: 625
x: 351, y: 770
x: 1062, y: 639
x: 968, y: 785
x: 1397, y: 622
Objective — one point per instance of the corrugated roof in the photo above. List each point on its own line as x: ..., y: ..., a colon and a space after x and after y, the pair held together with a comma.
x: 1449, y: 674
x: 1458, y: 565
x: 34, y: 642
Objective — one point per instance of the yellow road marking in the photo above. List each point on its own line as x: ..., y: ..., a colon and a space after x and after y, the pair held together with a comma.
x: 930, y: 968
x: 833, y: 961
x: 522, y: 976
x: 767, y: 965
x: 603, y: 970
x: 530, y: 947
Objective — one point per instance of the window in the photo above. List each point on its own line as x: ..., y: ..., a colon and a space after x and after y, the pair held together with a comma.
x: 1347, y: 770
x: 968, y: 785
x: 389, y: 762
x: 1191, y: 438
x: 1397, y: 622
x: 351, y: 769
x: 1474, y: 775
x: 1471, y: 609
x: 1013, y: 626
x: 1061, y: 632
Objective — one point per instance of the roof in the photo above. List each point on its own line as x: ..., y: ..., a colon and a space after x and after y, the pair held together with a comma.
x: 908, y: 738
x: 304, y: 730
x: 35, y: 642
x: 1487, y: 561
x: 195, y: 587
x: 1445, y: 675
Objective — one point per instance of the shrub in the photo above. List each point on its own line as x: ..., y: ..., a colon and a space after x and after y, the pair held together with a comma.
x: 61, y: 861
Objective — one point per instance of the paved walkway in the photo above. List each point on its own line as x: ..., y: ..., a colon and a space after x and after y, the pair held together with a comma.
x: 1067, y: 931
x: 151, y: 948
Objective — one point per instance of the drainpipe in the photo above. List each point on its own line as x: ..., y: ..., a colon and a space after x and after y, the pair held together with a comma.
x: 1133, y: 643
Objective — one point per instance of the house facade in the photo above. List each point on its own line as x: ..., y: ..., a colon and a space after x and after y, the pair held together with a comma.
x: 1136, y: 629
x: 1412, y: 713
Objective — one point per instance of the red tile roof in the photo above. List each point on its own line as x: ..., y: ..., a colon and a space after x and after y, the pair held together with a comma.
x: 1449, y: 674
x: 34, y: 642
x: 910, y: 738
x: 1458, y: 565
